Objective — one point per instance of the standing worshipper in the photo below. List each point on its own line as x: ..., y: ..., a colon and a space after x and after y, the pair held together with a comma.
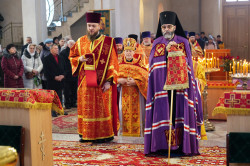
x: 119, y: 47
x: 32, y: 67
x: 54, y: 71
x: 45, y: 52
x: 70, y: 86
x: 94, y: 60
x: 61, y: 44
x: 28, y: 41
x: 12, y: 67
x: 132, y: 77
x: 211, y: 44
x: 146, y: 45
x: 187, y: 110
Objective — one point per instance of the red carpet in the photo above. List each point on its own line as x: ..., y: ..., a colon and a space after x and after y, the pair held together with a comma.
x: 65, y: 124
x: 75, y: 153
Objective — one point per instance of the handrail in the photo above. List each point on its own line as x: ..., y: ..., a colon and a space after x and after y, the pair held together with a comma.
x: 62, y: 13
x: 12, y: 33
x: 10, y: 25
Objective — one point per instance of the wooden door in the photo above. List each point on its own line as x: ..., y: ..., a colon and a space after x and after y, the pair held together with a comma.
x: 236, y: 29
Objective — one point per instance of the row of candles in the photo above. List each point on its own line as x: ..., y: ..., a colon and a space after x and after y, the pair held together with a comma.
x: 240, y: 67
x: 236, y: 67
x: 208, y: 62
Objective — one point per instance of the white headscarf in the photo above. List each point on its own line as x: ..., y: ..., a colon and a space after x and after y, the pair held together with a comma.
x: 28, y: 49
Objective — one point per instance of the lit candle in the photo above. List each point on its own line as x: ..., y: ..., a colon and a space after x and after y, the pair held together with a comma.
x: 230, y: 67
x: 212, y: 60
x: 233, y: 67
x: 244, y: 67
x: 247, y: 68
x: 238, y: 67
x: 218, y: 61
x: 215, y: 62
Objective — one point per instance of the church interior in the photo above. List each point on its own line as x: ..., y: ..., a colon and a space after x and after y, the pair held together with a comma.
x: 217, y: 33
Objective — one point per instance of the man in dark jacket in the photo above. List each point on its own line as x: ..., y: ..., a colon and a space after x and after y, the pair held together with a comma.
x: 54, y: 70
x: 28, y: 41
x: 70, y: 86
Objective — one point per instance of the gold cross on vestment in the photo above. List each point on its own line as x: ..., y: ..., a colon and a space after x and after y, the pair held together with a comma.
x: 102, y: 61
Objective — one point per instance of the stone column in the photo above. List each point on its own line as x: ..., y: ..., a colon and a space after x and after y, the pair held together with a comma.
x: 127, y: 19
x: 34, y: 20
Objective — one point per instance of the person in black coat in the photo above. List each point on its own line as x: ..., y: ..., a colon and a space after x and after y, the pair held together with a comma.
x: 70, y: 86
x: 54, y: 70
x: 201, y: 42
x: 28, y: 41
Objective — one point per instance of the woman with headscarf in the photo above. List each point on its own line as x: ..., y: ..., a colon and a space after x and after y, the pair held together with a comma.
x: 12, y: 66
x: 32, y: 67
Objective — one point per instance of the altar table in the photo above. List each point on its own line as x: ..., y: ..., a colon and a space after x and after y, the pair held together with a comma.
x: 32, y: 110
x: 236, y: 105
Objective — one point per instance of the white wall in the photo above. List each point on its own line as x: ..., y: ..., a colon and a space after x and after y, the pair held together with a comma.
x: 211, y: 17
x: 188, y: 13
x: 151, y: 14
x: 127, y: 17
x: 34, y: 20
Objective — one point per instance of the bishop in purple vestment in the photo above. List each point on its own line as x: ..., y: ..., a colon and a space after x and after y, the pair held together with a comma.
x: 187, y: 109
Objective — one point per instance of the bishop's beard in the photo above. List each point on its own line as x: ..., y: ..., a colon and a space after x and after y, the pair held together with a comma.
x: 168, y: 35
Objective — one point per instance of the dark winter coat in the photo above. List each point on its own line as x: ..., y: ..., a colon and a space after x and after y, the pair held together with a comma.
x: 53, y: 69
x: 68, y: 70
x: 12, y: 65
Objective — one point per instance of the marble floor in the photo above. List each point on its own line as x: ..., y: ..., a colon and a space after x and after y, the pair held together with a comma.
x: 215, y: 138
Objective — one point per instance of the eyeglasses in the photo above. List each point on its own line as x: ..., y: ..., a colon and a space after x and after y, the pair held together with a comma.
x: 168, y: 26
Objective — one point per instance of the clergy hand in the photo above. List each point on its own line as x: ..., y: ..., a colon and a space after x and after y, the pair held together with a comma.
x: 82, y: 59
x: 131, y: 82
x: 122, y: 81
x: 106, y: 86
x: 16, y: 77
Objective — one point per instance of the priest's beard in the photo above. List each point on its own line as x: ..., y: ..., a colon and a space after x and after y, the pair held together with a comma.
x: 92, y: 37
x: 147, y: 43
x: 119, y: 51
x: 168, y: 35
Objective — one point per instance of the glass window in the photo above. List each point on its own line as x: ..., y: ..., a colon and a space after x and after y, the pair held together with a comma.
x: 49, y: 11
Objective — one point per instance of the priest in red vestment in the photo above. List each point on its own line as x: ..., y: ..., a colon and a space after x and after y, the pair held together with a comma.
x: 94, y: 60
x: 119, y: 46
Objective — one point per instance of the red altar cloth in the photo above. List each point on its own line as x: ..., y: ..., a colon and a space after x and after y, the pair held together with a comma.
x: 221, y: 84
x: 233, y: 103
x: 30, y: 98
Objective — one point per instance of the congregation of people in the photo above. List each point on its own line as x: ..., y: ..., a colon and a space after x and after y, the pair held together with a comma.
x: 55, y: 64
